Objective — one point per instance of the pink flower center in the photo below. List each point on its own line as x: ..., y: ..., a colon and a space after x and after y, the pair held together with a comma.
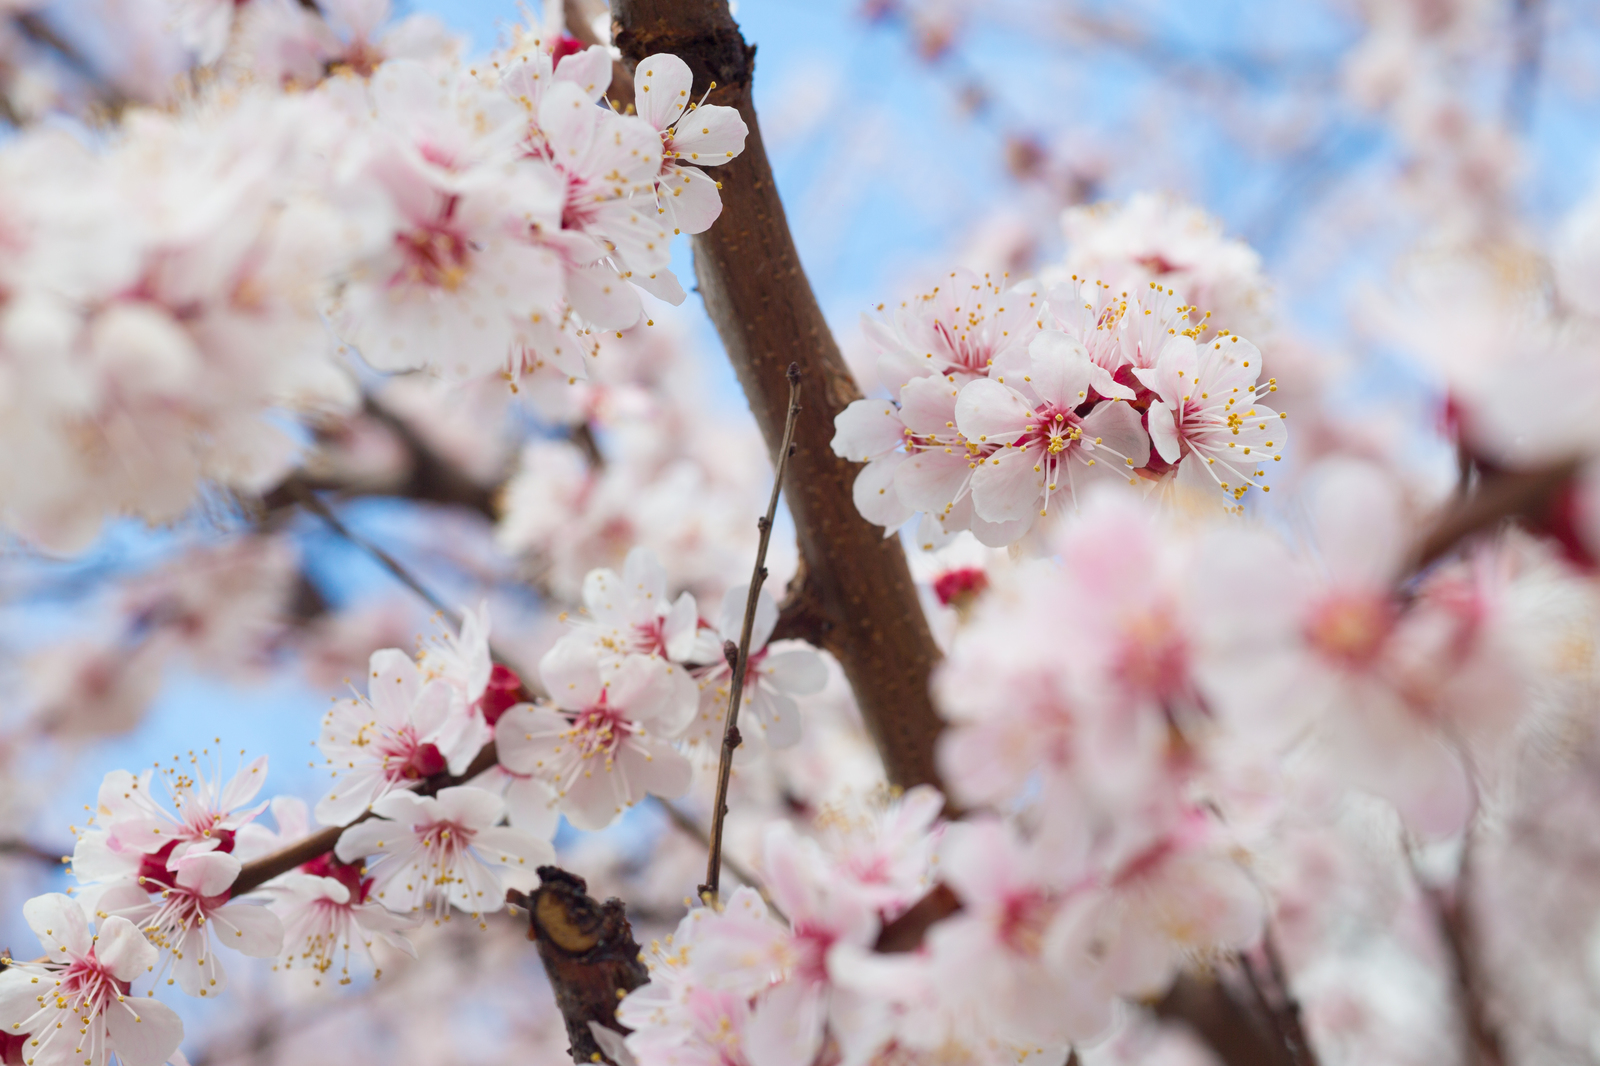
x: 434, y: 255
x: 503, y: 692
x: 347, y: 874
x: 599, y: 730
x: 1024, y: 920
x: 86, y: 983
x: 1052, y: 428
x: 1152, y: 658
x: 649, y: 638
x: 405, y: 759
x: 444, y: 841
x: 968, y: 354
x: 581, y: 210
x: 811, y: 943
x: 1351, y: 627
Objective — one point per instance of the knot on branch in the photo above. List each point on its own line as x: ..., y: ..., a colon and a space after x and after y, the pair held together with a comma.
x: 702, y: 33
x: 588, y: 950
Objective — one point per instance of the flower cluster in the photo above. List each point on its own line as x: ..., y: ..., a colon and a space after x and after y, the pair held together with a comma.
x: 636, y: 672
x: 170, y: 859
x: 1019, y: 399
x: 166, y: 298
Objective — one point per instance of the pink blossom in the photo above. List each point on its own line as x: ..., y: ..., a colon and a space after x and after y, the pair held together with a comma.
x: 1153, y: 238
x: 74, y: 1006
x: 774, y: 676
x: 326, y: 923
x: 608, y: 233
x: 601, y: 745
x: 1178, y: 896
x: 1043, y: 445
x: 1331, y: 650
x: 1209, y: 422
x: 692, y: 136
x: 458, y: 274
x: 884, y: 849
x: 631, y: 614
x: 323, y: 904
x: 137, y: 834
x: 435, y: 852
x: 992, y: 957
x: 959, y: 331
x: 389, y: 740
x: 190, y: 905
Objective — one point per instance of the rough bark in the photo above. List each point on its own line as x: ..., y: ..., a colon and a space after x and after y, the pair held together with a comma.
x: 589, y: 952
x: 867, y: 612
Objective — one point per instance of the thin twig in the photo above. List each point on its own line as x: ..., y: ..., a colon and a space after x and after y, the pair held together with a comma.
x: 310, y: 502
x: 1527, y: 32
x: 739, y: 657
x: 686, y: 823
x: 24, y: 849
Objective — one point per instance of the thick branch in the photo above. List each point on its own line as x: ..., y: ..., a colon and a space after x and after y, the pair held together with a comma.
x: 757, y: 295
x: 589, y: 952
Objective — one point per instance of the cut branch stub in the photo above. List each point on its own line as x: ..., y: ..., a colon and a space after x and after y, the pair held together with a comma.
x: 588, y: 951
x: 867, y: 611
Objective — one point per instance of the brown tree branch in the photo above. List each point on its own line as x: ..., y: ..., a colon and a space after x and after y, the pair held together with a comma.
x: 429, y: 477
x: 589, y: 952
x: 800, y: 615
x: 756, y: 293
x: 1499, y: 497
x: 1234, y: 1033
x: 1452, y: 914
x: 25, y: 849
x: 579, y: 17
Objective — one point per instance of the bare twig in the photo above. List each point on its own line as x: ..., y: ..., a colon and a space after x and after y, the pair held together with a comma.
x: 1527, y: 31
x: 905, y: 933
x: 24, y: 849
x: 40, y: 32
x: 428, y: 477
x: 739, y: 656
x: 589, y: 952
x: 686, y: 824
x: 1233, y: 1033
x: 308, y: 499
